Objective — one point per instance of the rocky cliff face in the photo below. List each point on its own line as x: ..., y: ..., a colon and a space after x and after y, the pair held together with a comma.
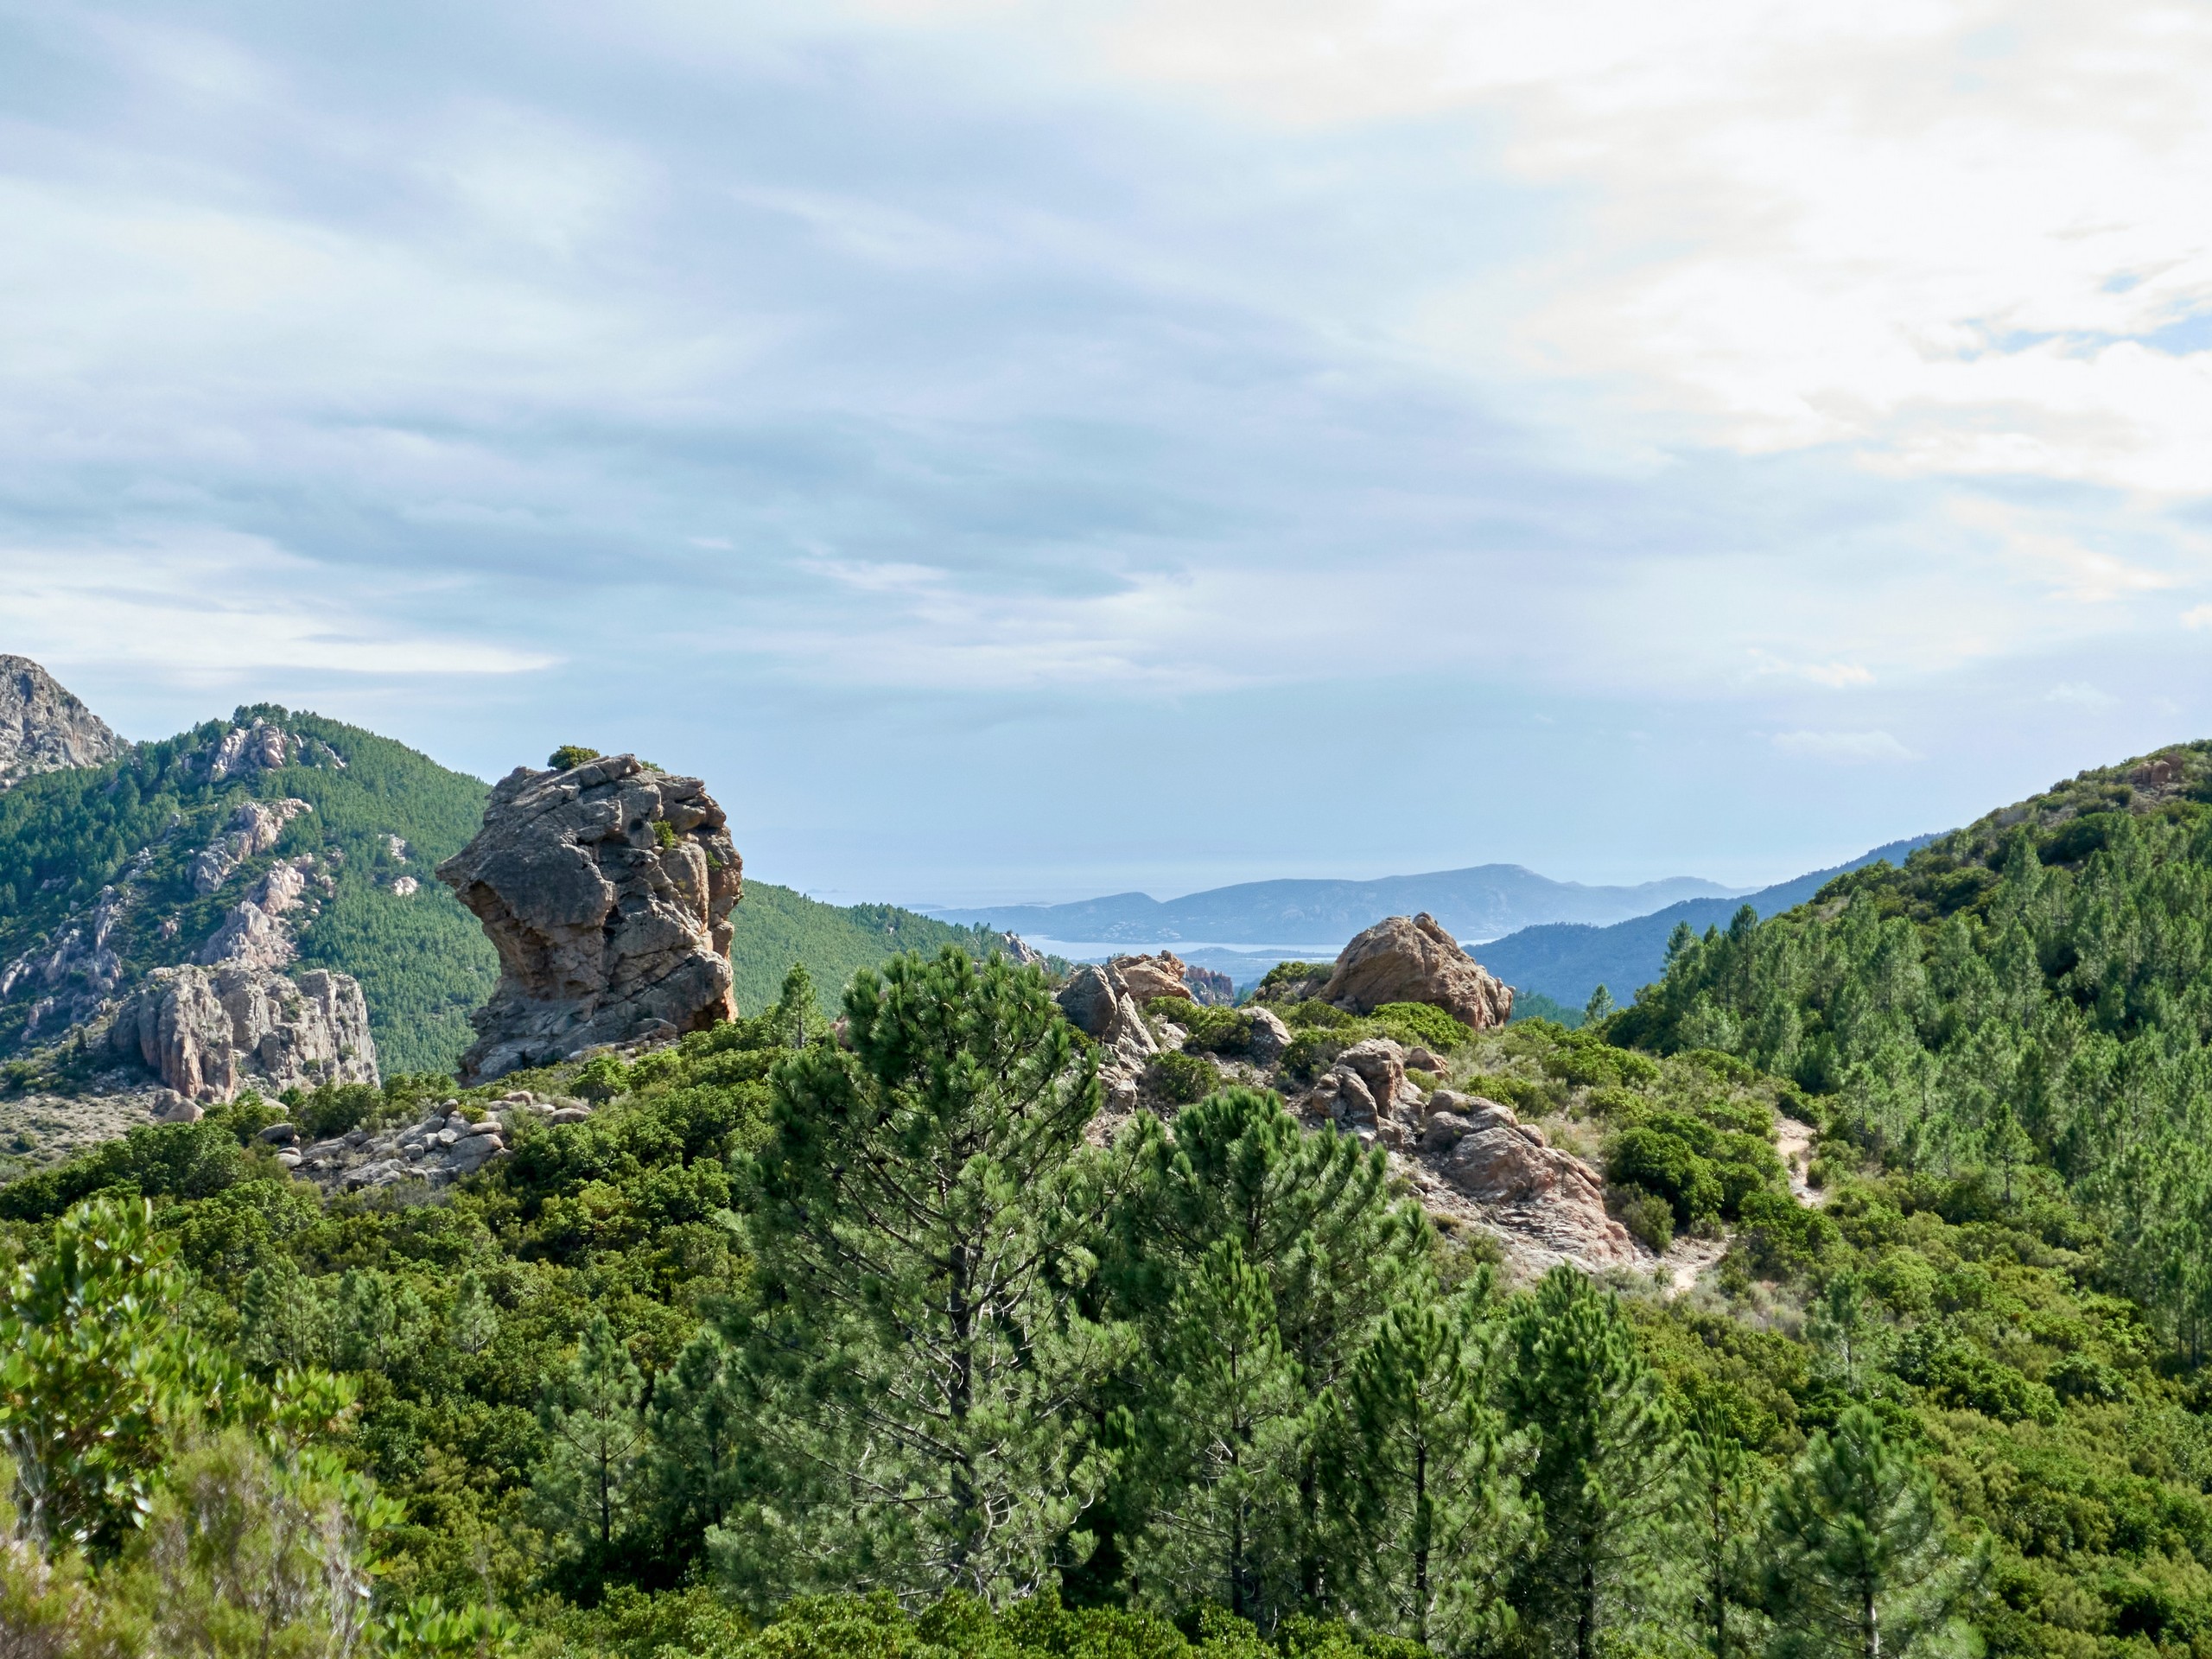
x: 43, y: 728
x: 208, y: 1032
x: 606, y: 891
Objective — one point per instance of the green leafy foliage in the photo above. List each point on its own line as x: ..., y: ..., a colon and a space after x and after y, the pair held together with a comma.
x: 772, y: 928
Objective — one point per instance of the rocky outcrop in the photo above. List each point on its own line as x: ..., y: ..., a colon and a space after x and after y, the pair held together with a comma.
x: 452, y: 1141
x: 1543, y: 1195
x: 1099, y: 1002
x: 607, y: 890
x: 1025, y: 955
x: 1215, y: 990
x: 252, y: 830
x: 1146, y: 978
x: 43, y: 728
x: 1411, y: 959
x: 208, y: 1032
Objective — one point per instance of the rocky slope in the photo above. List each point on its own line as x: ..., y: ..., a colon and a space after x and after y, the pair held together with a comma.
x: 43, y: 727
x: 1470, y: 1158
x: 607, y: 890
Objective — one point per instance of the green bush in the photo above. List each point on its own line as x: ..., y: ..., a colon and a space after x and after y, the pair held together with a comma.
x: 1311, y: 1052
x: 570, y: 755
x: 1212, y: 1031
x: 332, y: 1108
x: 1648, y: 1217
x: 1413, y: 1023
x: 1182, y: 1078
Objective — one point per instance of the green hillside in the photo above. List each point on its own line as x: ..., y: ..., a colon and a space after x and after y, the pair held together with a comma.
x: 775, y: 928
x: 137, y: 824
x: 2032, y: 990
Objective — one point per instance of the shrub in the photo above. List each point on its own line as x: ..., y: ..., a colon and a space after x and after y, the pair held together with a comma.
x: 1310, y: 1053
x: 1182, y: 1078
x: 333, y: 1108
x: 1648, y: 1217
x: 570, y: 755
x: 1417, y: 1022
x: 1666, y: 1165
x: 1212, y: 1031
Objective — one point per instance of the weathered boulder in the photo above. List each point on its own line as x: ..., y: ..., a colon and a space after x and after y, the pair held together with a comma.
x: 43, y: 728
x: 1380, y: 1065
x: 607, y: 890
x: 209, y: 1033
x: 1545, y: 1195
x: 1025, y: 955
x: 1269, y: 1035
x: 1098, y: 1003
x: 1411, y: 959
x: 1146, y: 978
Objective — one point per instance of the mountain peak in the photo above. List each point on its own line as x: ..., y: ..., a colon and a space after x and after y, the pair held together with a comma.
x: 44, y: 726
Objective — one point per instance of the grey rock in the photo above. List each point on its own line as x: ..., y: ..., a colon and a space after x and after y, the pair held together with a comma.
x: 606, y: 891
x: 1381, y: 1065
x: 1544, y: 1194
x: 570, y: 1115
x: 1443, y: 1130
x: 209, y: 1033
x: 279, y: 1135
x: 288, y: 1158
x: 43, y: 727
x: 252, y: 830
x: 474, y: 1153
x: 1269, y: 1035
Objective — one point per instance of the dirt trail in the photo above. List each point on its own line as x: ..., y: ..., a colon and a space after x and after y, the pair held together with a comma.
x: 1793, y: 1141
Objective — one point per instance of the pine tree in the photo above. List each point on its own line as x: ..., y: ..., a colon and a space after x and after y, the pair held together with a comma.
x: 921, y: 1220
x: 1226, y: 1440
x: 1599, y: 1006
x: 474, y: 1323
x: 1313, y: 1215
x: 698, y: 1438
x: 283, y: 1324
x: 1717, y: 1481
x: 585, y: 1486
x: 1430, y: 1477
x: 1857, y: 1562
x: 1606, y: 1473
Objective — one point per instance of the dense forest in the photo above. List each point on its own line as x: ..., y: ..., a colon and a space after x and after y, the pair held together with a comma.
x: 863, y: 1343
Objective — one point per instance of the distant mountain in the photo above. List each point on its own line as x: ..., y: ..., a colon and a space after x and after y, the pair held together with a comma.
x: 1567, y: 962
x: 1475, y: 904
x: 43, y: 727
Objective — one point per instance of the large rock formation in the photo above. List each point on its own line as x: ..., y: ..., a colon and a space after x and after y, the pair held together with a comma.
x: 209, y: 1032
x: 1546, y: 1197
x: 606, y: 891
x: 43, y: 728
x: 1411, y: 959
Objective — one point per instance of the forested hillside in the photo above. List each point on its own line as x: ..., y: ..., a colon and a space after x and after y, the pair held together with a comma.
x: 774, y: 929
x: 2032, y: 991
x: 140, y: 823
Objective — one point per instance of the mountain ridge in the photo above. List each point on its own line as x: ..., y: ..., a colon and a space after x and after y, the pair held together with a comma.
x: 1478, y: 902
x: 1566, y: 961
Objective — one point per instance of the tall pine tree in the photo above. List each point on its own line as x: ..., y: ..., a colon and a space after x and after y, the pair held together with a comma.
x: 916, y: 1360
x: 1607, y: 1470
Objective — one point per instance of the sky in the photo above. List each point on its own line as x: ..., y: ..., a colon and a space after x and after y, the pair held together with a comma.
x: 1021, y: 451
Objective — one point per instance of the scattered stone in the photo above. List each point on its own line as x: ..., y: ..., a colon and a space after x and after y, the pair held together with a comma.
x: 1420, y: 1057
x: 209, y: 1031
x: 1411, y: 959
x: 606, y: 891
x: 279, y: 1135
x: 570, y: 1115
x: 405, y: 887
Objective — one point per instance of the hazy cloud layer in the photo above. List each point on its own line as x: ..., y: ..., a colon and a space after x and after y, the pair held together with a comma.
x: 1019, y: 449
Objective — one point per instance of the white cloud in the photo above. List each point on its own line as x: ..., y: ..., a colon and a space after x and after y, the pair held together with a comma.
x: 1843, y: 746
x: 200, y: 605
x: 2197, y: 616
x: 2081, y: 694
